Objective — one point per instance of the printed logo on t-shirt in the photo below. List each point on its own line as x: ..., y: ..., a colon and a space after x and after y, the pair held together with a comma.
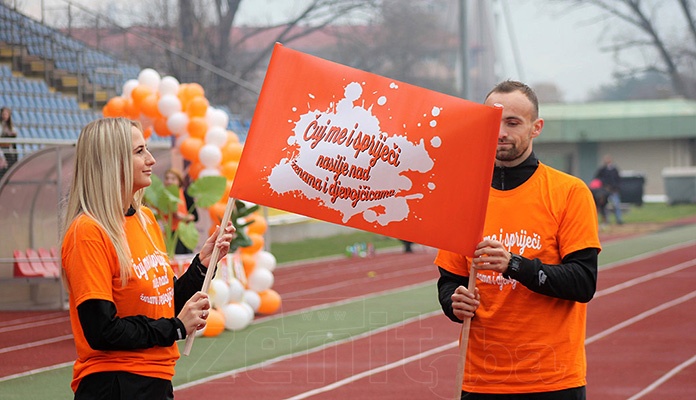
x: 153, y: 268
x: 520, y: 240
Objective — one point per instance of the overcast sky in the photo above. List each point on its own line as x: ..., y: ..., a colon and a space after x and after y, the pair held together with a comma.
x: 556, y: 47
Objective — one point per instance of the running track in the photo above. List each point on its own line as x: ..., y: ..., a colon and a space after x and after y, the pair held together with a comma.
x: 640, y: 344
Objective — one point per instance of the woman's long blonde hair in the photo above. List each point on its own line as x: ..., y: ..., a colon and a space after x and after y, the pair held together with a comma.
x: 102, y: 186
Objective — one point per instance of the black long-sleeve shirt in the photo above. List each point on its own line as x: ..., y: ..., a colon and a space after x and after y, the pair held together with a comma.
x: 105, y: 331
x: 575, y: 280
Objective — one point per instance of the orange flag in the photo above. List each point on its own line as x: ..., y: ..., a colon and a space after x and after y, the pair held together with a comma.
x: 350, y: 147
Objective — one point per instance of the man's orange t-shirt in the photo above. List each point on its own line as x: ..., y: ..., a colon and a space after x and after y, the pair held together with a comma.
x: 92, y: 268
x: 521, y: 341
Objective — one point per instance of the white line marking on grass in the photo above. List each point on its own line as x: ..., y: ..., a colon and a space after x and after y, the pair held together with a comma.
x: 645, y: 278
x: 36, y: 344
x: 664, y: 378
x: 649, y: 254
x: 640, y: 317
x: 36, y: 371
x: 272, y: 361
x: 374, y: 371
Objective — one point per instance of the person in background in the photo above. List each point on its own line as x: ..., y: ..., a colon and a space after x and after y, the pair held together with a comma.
x: 173, y: 177
x: 127, y: 309
x: 608, y: 173
x: 536, y: 268
x: 8, y: 131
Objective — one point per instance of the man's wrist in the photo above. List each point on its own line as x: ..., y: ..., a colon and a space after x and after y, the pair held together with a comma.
x: 513, y: 265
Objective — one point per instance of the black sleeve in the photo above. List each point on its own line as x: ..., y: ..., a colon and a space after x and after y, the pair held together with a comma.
x: 105, y: 331
x: 189, y: 283
x: 189, y: 206
x: 446, y: 286
x: 574, y: 279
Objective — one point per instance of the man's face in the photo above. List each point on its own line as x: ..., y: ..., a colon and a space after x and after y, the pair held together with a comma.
x: 517, y: 127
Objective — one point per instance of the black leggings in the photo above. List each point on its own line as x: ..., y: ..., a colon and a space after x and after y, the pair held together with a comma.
x: 119, y: 385
x: 566, y: 394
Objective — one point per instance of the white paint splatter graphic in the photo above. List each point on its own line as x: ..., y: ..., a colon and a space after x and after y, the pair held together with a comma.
x: 350, y: 165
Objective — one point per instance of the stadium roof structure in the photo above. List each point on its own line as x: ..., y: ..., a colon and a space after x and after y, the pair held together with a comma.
x: 618, y: 121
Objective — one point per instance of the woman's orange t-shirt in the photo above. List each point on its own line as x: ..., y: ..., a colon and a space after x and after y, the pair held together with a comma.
x: 92, y: 270
x: 521, y: 341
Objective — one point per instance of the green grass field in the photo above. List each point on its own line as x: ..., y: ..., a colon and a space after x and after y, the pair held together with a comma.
x: 336, y: 245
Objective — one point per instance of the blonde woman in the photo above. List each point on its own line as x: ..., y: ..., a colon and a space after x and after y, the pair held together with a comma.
x: 127, y: 308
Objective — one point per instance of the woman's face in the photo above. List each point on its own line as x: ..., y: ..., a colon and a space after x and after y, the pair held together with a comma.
x: 5, y: 114
x: 170, y: 179
x: 142, y: 161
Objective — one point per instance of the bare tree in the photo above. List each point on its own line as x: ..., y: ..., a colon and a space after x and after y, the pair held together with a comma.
x: 674, y: 56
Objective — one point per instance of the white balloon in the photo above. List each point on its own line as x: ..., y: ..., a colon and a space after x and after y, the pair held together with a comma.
x: 253, y: 299
x: 216, y: 136
x: 178, y: 123
x: 236, y: 293
x: 209, y: 172
x: 260, y: 279
x: 128, y: 87
x: 265, y: 259
x: 236, y: 316
x: 249, y: 310
x: 168, y: 85
x: 150, y: 78
x: 217, y: 117
x: 219, y: 293
x: 210, y: 155
x: 169, y: 104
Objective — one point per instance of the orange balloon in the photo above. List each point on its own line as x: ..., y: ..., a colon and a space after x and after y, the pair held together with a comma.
x: 257, y: 242
x: 139, y: 94
x: 270, y: 302
x: 226, y: 195
x: 160, y: 126
x: 259, y: 224
x: 130, y: 110
x: 149, y: 107
x: 197, y: 106
x: 215, y: 324
x: 249, y: 263
x: 182, y: 94
x: 197, y: 127
x: 232, y: 152
x: 232, y: 137
x: 216, y: 212
x: 147, y: 132
x: 190, y: 147
x: 195, y: 90
x: 229, y: 169
x: 195, y: 169
x: 115, y: 107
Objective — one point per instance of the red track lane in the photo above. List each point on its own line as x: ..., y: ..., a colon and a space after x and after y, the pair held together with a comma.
x: 335, y: 280
x: 619, y: 365
x: 313, y: 370
x: 301, y: 286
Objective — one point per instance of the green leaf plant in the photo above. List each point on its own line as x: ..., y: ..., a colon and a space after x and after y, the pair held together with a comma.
x: 164, y: 200
x: 205, y: 191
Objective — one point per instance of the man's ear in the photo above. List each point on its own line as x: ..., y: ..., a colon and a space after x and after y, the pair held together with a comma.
x: 537, y: 126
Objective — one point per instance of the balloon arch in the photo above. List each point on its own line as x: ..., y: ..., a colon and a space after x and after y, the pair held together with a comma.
x: 166, y: 107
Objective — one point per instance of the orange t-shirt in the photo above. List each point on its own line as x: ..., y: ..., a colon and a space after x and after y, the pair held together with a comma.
x: 92, y: 270
x: 521, y: 341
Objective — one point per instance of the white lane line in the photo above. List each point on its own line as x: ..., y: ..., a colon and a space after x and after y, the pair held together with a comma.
x: 664, y: 378
x: 272, y: 361
x: 36, y: 371
x: 416, y: 357
x: 645, y: 278
x: 34, y: 324
x: 640, y: 257
x: 640, y: 317
x: 374, y: 371
x: 24, y: 346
